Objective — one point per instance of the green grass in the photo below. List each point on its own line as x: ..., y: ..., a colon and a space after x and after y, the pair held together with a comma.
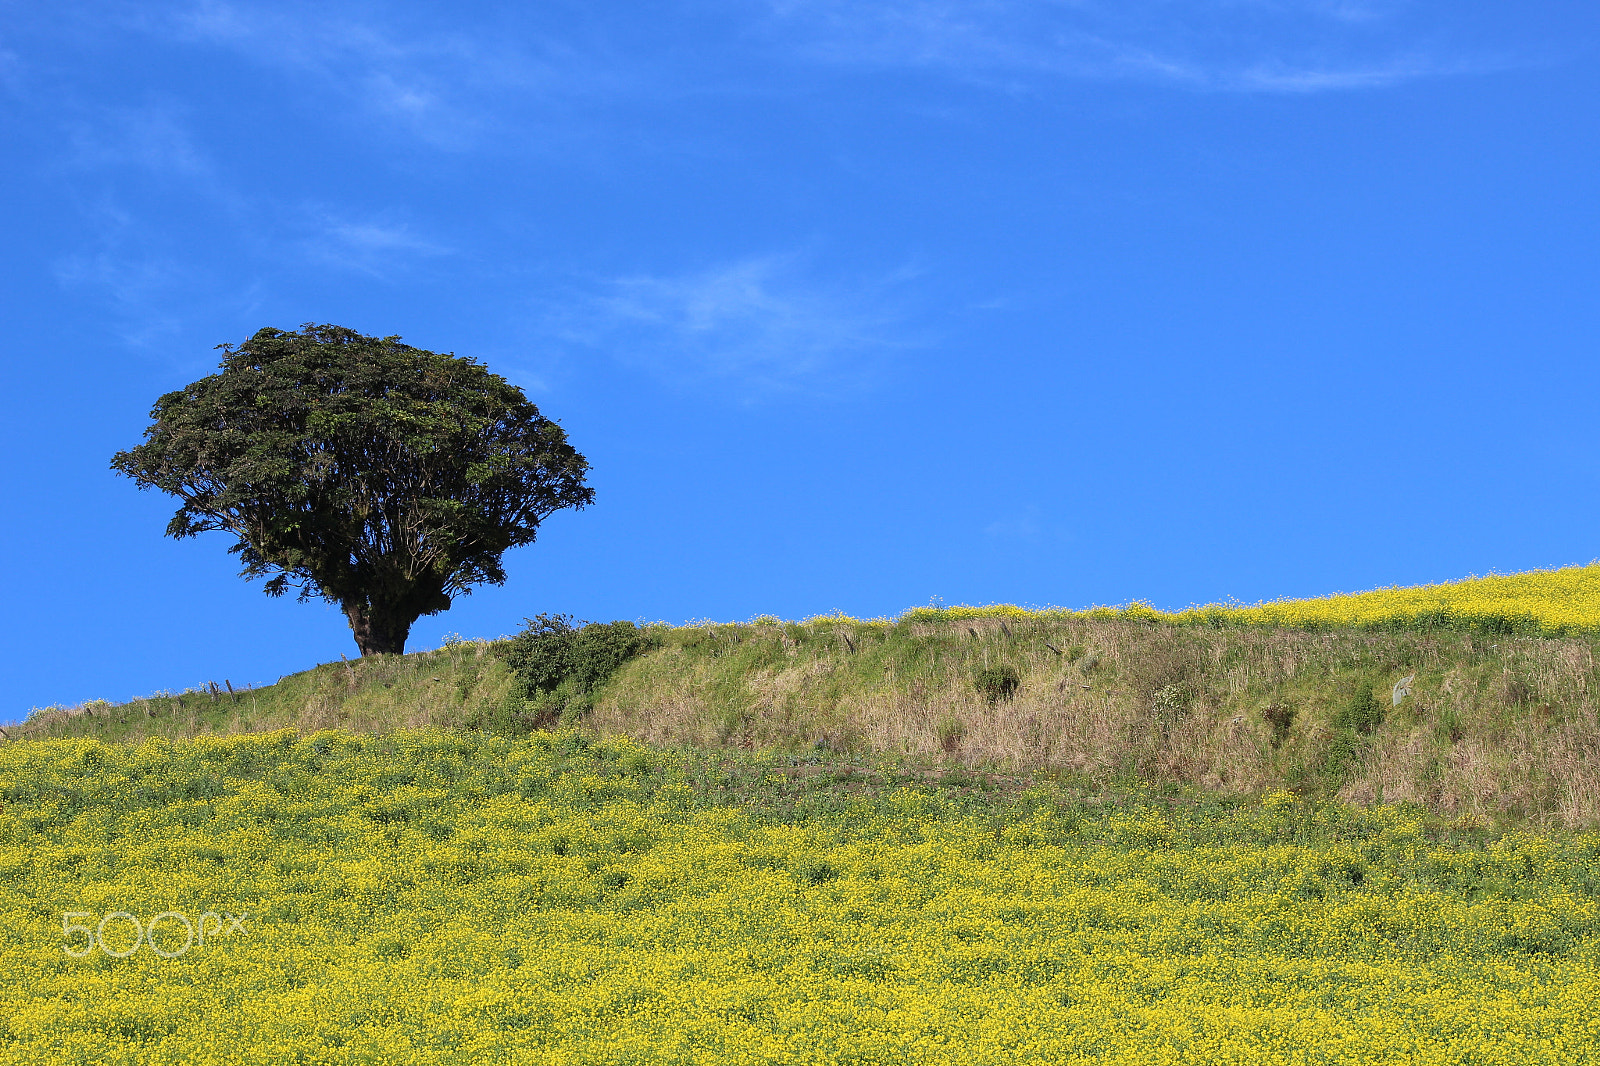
x: 1495, y: 729
x: 457, y: 686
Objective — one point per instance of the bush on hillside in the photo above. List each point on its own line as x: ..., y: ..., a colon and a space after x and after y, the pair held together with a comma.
x: 996, y: 683
x: 1353, y: 723
x: 1360, y: 713
x: 559, y: 665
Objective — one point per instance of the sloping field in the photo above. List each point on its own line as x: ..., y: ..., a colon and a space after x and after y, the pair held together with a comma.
x: 1455, y: 697
x: 1540, y: 602
x: 1557, y: 602
x: 448, y: 899
x: 1464, y: 724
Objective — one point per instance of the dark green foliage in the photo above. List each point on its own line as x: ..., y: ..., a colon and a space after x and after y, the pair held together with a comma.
x: 996, y: 683
x: 1353, y: 722
x: 378, y: 476
x: 1345, y: 748
x: 559, y: 665
x: 1360, y: 713
x: 541, y: 654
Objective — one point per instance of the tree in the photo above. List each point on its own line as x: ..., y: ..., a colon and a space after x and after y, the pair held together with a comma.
x: 378, y: 476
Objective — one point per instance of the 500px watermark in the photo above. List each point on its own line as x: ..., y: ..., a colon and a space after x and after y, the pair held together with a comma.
x: 144, y: 933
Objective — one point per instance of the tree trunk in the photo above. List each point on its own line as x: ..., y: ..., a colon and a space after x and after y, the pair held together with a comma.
x: 377, y: 631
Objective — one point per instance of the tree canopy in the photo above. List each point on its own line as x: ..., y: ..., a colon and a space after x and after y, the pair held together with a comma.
x: 381, y: 477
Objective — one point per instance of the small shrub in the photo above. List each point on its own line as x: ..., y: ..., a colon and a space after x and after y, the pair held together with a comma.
x: 541, y: 654
x: 996, y: 683
x: 1360, y: 713
x: 1345, y: 749
x: 1353, y: 722
x: 1281, y: 719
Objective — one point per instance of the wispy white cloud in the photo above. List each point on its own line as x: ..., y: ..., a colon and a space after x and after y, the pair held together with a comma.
x: 152, y: 295
x: 450, y: 87
x: 539, y: 80
x: 156, y: 140
x: 149, y: 290
x: 153, y: 138
x: 138, y: 289
x: 758, y: 326
x: 1230, y: 45
x: 368, y: 67
x: 377, y: 247
x: 1283, y: 79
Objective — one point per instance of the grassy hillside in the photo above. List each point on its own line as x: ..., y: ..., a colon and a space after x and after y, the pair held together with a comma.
x: 1489, y: 725
x: 975, y: 835
x: 1500, y: 720
x: 451, y: 687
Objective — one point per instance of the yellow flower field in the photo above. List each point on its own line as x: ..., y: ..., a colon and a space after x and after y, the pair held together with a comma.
x: 1538, y: 602
x: 443, y: 898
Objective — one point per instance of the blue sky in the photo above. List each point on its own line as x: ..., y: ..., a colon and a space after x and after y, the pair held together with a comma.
x: 850, y: 304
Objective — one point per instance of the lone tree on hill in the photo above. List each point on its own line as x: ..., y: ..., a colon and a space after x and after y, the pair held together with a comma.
x: 378, y: 476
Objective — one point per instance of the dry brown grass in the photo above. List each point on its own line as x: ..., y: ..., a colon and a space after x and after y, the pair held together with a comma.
x: 1491, y: 727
